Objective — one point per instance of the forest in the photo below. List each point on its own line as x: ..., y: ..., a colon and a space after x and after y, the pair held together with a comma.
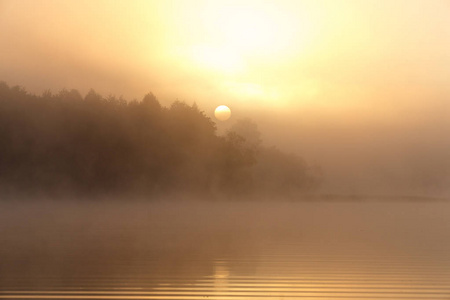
x: 64, y: 144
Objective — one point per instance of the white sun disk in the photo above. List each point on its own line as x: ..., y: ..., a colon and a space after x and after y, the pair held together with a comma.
x: 222, y: 113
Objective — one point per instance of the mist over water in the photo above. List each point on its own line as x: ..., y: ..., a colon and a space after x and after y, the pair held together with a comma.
x: 191, y: 249
x: 330, y: 179
x: 104, y: 198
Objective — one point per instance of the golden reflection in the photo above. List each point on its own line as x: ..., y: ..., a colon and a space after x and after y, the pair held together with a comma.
x: 221, y: 275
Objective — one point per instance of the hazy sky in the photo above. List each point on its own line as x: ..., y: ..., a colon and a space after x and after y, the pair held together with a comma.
x: 360, y: 87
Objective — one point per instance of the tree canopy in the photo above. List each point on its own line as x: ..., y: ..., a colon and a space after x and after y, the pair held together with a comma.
x: 67, y: 144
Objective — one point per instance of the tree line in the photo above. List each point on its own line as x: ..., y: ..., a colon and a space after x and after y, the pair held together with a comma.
x: 66, y: 144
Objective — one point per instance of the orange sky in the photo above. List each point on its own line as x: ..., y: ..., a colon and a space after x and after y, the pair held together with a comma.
x: 321, y: 72
x: 273, y: 53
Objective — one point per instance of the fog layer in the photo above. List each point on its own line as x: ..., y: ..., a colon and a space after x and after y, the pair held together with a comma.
x: 360, y: 88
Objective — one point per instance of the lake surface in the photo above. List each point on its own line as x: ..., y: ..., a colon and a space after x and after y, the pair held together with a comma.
x: 201, y: 250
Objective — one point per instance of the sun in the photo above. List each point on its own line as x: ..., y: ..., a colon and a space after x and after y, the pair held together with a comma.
x: 249, y: 30
x: 222, y: 113
x: 241, y: 47
x: 235, y: 35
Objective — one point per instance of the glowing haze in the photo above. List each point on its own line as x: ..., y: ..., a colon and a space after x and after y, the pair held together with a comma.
x: 361, y: 87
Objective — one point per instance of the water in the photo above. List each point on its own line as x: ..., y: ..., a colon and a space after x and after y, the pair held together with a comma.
x: 352, y: 250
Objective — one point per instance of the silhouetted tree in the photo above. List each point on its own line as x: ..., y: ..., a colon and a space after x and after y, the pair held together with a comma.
x: 267, y: 169
x: 237, y: 158
x: 248, y: 129
x: 64, y: 143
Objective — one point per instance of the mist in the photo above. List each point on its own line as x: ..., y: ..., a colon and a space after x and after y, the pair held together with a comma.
x: 366, y: 100
x: 401, y: 151
x: 331, y: 178
x: 84, y: 249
